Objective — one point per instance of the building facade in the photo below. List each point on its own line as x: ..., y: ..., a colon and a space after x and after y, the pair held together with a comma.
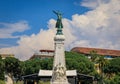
x: 6, y: 55
x: 43, y: 54
x: 107, y: 53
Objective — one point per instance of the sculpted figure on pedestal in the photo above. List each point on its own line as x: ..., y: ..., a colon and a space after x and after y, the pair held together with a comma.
x: 59, y: 72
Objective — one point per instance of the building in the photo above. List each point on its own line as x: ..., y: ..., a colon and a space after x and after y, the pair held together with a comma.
x: 42, y: 54
x: 107, y: 53
x: 6, y: 55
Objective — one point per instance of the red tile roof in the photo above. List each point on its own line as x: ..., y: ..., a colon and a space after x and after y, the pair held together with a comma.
x: 106, y: 52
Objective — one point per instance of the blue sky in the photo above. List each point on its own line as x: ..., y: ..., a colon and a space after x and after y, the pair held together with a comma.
x: 26, y: 26
x: 36, y: 12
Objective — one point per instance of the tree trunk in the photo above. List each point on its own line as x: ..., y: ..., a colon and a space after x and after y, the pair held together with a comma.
x: 9, y: 79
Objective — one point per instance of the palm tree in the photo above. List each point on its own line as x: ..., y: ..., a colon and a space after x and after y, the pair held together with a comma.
x: 102, y: 63
x: 94, y: 56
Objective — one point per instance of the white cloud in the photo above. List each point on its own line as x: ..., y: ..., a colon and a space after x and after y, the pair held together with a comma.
x: 94, y: 3
x: 100, y: 27
x: 96, y: 28
x: 28, y: 45
x: 7, y: 29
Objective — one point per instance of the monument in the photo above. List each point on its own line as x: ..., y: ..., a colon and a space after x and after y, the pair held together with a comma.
x: 59, y: 73
x: 59, y: 66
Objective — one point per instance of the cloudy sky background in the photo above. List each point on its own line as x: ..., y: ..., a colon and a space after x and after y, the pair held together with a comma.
x: 98, y: 25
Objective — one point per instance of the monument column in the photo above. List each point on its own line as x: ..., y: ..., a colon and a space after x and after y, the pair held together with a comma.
x: 59, y: 66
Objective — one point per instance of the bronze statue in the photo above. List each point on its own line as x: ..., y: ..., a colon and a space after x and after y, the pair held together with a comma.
x: 59, y: 24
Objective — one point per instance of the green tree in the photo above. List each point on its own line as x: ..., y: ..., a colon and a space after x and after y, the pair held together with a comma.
x: 1, y: 68
x: 114, y: 80
x: 112, y: 68
x: 31, y: 66
x: 73, y: 61
x: 94, y: 56
x: 101, y: 62
x: 34, y: 65
x: 47, y: 64
x: 79, y: 62
x: 13, y: 67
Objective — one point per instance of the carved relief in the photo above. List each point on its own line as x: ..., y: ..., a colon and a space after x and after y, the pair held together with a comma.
x: 59, y: 72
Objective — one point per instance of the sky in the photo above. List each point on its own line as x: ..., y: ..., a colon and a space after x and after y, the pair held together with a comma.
x: 26, y: 26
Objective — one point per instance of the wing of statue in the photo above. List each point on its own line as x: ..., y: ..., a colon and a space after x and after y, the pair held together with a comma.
x: 55, y: 12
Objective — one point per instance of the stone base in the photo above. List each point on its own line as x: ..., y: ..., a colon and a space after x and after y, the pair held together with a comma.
x: 59, y: 75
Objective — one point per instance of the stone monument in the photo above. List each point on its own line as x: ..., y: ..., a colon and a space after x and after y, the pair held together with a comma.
x: 59, y: 65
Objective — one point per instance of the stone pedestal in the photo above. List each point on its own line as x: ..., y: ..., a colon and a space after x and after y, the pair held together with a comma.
x: 59, y: 66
